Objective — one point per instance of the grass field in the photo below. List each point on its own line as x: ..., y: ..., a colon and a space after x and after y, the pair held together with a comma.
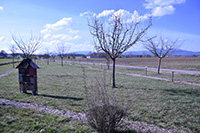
x: 5, y: 60
x: 27, y: 120
x: 162, y: 103
x: 185, y: 63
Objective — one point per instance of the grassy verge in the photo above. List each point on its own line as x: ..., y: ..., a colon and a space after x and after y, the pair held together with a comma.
x: 27, y: 120
x: 6, y: 68
x: 5, y: 60
x: 165, y: 104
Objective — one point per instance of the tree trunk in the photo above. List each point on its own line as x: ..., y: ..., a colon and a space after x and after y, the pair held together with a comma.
x: 13, y: 62
x: 113, y: 85
x: 47, y: 61
x: 159, y: 64
x: 61, y: 61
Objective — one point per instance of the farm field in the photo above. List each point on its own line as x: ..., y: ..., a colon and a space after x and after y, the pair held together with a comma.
x: 185, y: 63
x: 161, y: 103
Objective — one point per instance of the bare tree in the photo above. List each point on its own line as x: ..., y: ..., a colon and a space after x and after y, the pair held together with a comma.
x: 116, y: 37
x: 53, y: 55
x: 13, y: 49
x: 29, y: 47
x: 47, y: 56
x: 161, y: 48
x: 62, y: 50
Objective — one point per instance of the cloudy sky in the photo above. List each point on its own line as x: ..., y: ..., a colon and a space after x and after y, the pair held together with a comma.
x: 65, y: 21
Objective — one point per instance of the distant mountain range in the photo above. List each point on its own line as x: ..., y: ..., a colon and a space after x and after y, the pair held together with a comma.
x: 178, y: 52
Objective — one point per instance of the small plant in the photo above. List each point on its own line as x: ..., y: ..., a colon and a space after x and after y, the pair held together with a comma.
x: 104, y: 112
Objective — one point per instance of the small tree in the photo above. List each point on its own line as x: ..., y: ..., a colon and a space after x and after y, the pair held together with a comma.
x: 13, y: 51
x: 29, y: 47
x: 161, y: 48
x: 105, y: 112
x: 115, y: 37
x: 62, y: 50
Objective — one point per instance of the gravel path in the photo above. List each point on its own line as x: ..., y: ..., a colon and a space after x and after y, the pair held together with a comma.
x: 134, y: 125
x: 7, y: 73
x: 150, y: 77
x: 139, y: 67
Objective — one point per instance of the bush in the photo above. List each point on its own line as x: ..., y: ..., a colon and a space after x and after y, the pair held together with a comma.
x: 104, y: 112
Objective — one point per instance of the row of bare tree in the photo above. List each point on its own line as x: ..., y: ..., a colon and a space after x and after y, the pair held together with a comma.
x: 113, y: 37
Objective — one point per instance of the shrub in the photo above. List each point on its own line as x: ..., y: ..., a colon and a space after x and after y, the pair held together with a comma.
x: 104, y: 111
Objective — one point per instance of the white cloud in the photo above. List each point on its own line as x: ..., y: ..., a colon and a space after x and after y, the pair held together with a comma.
x: 105, y: 13
x: 64, y: 37
x: 81, y: 47
x: 47, y: 36
x: 12, y: 42
x: 130, y: 17
x: 61, y: 24
x: 155, y: 3
x: 162, y: 7
x: 2, y: 39
x: 85, y: 13
x: 1, y: 8
x: 161, y: 11
x: 71, y: 31
x: 76, y: 37
x: 45, y: 31
x: 52, y: 43
x: 61, y: 37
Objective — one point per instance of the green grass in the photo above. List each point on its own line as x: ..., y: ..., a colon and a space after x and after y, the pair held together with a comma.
x: 6, y: 68
x: 5, y: 60
x: 27, y: 120
x: 162, y: 103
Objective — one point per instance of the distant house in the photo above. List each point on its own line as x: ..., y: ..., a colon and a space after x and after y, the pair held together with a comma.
x: 88, y: 57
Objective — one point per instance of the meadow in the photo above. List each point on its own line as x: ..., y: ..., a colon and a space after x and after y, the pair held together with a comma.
x: 161, y: 103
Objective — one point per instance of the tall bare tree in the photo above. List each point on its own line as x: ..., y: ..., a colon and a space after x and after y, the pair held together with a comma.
x: 29, y: 47
x: 62, y: 50
x: 116, y: 36
x: 13, y: 50
x: 162, y: 48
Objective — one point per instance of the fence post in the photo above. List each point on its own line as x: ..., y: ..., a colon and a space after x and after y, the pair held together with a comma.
x: 146, y: 70
x: 172, y: 76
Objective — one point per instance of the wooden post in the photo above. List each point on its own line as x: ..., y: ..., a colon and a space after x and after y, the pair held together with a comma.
x: 146, y: 70
x: 172, y: 76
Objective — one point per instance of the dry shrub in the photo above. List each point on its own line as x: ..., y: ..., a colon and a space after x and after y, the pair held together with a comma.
x: 104, y: 111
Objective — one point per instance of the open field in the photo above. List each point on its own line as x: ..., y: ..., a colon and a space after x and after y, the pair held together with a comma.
x: 185, y: 63
x: 162, y: 103
x: 5, y: 60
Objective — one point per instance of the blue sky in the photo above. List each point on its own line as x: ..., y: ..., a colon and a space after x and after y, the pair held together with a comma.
x: 65, y: 21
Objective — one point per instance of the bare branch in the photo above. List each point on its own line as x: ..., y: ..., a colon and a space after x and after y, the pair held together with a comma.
x: 30, y: 47
x: 161, y: 48
x: 116, y: 37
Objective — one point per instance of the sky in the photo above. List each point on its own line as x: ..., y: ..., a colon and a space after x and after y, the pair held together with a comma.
x: 65, y: 21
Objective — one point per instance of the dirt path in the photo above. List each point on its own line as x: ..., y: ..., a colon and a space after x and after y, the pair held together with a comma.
x: 7, y: 73
x: 134, y: 125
